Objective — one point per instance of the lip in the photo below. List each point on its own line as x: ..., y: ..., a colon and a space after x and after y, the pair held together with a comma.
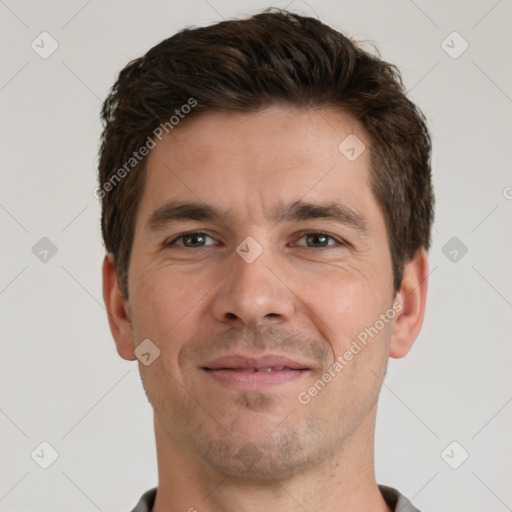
x: 240, y: 362
x: 244, y: 372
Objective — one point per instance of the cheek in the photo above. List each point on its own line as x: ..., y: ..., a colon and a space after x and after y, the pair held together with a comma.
x: 345, y: 301
x: 166, y: 300
x: 363, y: 336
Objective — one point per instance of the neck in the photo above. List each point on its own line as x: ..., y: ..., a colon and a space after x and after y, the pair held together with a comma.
x: 345, y: 482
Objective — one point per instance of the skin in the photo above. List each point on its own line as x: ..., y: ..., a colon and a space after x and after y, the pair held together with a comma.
x: 223, y: 448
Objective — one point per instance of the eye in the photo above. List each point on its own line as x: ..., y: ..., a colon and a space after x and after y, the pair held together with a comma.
x: 198, y: 239
x: 193, y: 239
x: 319, y: 239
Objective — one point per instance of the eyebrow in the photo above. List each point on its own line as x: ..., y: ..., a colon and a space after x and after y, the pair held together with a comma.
x: 175, y: 211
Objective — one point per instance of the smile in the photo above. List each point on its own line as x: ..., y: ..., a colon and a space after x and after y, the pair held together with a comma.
x: 244, y: 372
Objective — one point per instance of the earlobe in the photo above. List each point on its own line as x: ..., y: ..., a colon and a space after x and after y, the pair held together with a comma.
x: 412, y: 298
x: 118, y: 310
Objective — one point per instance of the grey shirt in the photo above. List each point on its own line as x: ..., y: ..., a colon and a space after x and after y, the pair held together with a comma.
x: 393, y: 498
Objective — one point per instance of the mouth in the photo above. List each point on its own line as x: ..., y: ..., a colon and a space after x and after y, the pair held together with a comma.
x: 255, y: 372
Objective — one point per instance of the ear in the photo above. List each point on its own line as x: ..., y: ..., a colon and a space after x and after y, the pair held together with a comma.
x: 118, y: 310
x: 410, y: 302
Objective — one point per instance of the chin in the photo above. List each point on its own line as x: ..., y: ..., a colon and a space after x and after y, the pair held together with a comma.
x: 261, y: 455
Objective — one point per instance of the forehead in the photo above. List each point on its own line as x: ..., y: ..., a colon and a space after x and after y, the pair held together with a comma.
x: 273, y: 138
x: 257, y: 160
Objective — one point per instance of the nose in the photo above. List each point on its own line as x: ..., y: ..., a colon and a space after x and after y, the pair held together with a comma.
x: 253, y: 294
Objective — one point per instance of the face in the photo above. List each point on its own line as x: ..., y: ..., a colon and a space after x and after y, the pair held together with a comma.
x: 259, y: 292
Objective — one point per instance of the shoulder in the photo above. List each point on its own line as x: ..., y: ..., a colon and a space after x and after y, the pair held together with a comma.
x: 396, y: 500
x: 146, y: 501
x: 392, y: 497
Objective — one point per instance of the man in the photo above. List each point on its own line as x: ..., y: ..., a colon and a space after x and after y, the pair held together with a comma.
x: 266, y: 210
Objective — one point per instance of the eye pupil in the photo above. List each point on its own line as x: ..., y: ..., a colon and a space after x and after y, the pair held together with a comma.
x: 317, y: 236
x: 193, y: 237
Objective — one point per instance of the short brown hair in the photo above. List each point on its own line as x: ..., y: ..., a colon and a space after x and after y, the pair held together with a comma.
x: 243, y: 65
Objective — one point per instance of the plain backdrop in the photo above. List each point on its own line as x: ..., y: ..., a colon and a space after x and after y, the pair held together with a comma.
x: 62, y: 382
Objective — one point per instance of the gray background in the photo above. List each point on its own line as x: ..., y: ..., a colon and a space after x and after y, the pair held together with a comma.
x: 61, y: 379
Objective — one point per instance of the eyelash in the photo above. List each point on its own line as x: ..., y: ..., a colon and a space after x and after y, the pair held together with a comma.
x: 303, y: 234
